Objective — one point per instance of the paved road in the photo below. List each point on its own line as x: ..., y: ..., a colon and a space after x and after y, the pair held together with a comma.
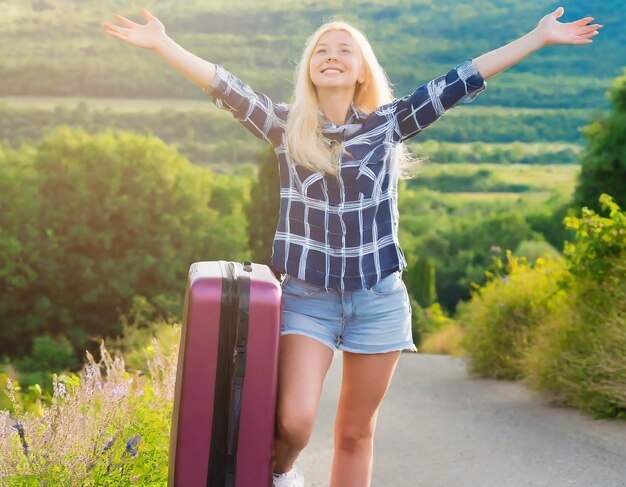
x: 438, y: 428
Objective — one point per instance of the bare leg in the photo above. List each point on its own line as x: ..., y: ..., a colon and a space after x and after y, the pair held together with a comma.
x: 302, y: 366
x: 364, y: 382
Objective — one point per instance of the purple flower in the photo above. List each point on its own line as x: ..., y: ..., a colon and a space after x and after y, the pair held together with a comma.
x: 132, y: 445
x: 20, y: 431
x: 109, y: 444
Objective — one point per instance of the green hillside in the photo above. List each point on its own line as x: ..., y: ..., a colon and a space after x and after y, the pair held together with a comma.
x: 59, y: 48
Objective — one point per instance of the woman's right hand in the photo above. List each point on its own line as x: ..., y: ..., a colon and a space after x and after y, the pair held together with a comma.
x: 147, y: 36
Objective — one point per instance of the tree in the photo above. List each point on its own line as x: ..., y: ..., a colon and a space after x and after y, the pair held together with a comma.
x: 264, y: 207
x: 421, y: 280
x: 94, y: 220
x: 604, y: 159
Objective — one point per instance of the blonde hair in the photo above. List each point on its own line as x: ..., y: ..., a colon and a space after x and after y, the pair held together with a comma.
x: 305, y: 142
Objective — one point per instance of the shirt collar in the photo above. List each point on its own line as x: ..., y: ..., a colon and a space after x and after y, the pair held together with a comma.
x: 355, y: 117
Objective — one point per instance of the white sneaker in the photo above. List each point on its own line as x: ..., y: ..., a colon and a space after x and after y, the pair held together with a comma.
x: 293, y: 478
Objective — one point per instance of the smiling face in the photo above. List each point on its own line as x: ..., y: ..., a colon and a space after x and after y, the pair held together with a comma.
x: 336, y: 61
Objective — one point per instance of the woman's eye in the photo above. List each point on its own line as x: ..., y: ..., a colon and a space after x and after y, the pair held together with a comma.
x: 348, y: 51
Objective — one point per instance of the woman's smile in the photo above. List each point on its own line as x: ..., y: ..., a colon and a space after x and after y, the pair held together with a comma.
x: 335, y: 56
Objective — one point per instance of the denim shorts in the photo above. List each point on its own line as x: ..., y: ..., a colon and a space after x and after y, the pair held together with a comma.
x: 374, y: 320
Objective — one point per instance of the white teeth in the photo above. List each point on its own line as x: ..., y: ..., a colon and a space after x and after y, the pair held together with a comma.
x: 332, y: 70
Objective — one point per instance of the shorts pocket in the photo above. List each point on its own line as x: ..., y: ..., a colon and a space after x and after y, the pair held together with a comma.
x: 390, y: 284
x: 298, y: 287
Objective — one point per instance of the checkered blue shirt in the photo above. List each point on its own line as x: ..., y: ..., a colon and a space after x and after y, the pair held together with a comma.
x: 342, y: 232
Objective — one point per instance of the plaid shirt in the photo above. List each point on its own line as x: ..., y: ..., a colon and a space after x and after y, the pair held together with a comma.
x: 342, y: 232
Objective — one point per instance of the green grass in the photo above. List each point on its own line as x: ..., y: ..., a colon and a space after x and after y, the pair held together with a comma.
x: 529, y: 146
x: 155, y: 104
x: 546, y: 182
x: 542, y: 176
x: 495, y: 109
x: 121, y: 105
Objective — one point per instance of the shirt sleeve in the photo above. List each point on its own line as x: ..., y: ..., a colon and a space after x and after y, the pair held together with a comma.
x: 415, y: 112
x: 253, y: 109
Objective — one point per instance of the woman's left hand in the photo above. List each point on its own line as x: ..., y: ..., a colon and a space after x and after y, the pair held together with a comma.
x: 552, y: 32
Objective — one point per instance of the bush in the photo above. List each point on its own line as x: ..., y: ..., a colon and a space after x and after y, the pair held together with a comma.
x: 580, y: 351
x: 600, y: 241
x: 49, y: 355
x: 111, y: 430
x: 139, y: 328
x: 426, y: 320
x: 534, y: 249
x: 446, y: 341
x: 93, y: 220
x: 502, y: 316
x: 560, y: 326
x: 603, y: 161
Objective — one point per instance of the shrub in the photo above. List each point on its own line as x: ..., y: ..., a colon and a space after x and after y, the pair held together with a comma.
x: 580, y: 351
x: 111, y: 430
x: 48, y: 355
x: 603, y: 161
x: 501, y: 317
x: 534, y: 249
x: 446, y: 341
x: 87, y: 221
x: 600, y: 241
x: 139, y: 327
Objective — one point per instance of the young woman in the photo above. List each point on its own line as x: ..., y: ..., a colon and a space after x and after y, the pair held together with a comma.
x: 340, y: 150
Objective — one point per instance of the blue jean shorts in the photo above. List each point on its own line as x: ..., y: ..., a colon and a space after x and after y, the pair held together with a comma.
x: 375, y: 320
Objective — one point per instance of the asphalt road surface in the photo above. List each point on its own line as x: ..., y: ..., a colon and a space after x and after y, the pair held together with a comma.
x: 439, y: 428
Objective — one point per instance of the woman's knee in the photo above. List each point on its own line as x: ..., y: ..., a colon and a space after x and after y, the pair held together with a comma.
x: 295, y: 427
x: 354, y: 440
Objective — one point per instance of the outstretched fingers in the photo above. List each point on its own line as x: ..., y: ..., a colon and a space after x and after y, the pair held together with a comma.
x: 114, y: 29
x: 125, y: 21
x: 117, y: 35
x: 583, y: 21
x: 587, y: 29
x: 583, y: 35
x: 147, y: 15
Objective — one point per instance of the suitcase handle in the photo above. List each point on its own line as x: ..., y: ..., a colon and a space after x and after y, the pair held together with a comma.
x: 239, y: 360
x: 229, y: 383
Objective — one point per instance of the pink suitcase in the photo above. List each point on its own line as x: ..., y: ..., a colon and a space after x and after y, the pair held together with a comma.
x: 225, y: 402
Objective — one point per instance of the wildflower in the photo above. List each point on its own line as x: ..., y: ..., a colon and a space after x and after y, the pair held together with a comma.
x: 10, y: 390
x: 91, y: 372
x: 119, y: 390
x: 132, y: 445
x: 20, y: 431
x: 109, y: 444
x: 506, y: 279
x: 92, y: 464
x: 59, y: 389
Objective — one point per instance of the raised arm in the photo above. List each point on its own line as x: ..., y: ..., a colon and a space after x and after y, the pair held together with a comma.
x: 548, y: 32
x: 462, y: 84
x: 152, y: 36
x: 417, y: 111
x: 253, y: 109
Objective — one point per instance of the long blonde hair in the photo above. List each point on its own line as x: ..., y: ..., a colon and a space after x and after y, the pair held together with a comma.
x: 305, y: 142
